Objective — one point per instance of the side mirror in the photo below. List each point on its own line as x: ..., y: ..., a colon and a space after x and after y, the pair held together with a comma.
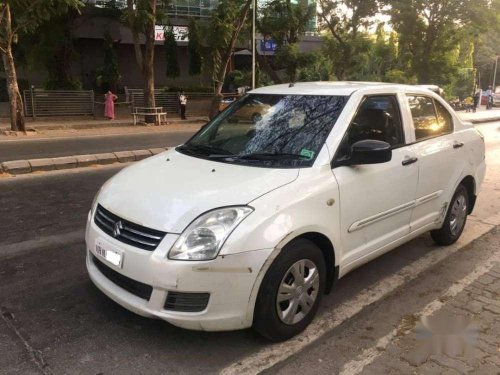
x: 368, y: 151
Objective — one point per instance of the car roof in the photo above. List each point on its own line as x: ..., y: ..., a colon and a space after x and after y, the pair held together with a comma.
x: 340, y: 88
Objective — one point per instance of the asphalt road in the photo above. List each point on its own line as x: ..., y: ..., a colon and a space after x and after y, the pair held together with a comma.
x: 54, y: 321
x: 56, y: 147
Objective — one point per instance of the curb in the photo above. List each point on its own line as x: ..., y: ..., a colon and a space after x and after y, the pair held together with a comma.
x: 480, y: 121
x: 19, y: 167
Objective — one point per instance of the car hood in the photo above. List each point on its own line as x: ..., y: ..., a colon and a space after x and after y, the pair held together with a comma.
x: 168, y: 191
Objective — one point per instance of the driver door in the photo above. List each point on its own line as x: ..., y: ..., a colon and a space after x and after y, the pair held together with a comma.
x: 376, y: 200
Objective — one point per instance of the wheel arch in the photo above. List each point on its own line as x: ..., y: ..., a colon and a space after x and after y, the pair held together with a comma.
x: 470, y: 184
x: 328, y: 250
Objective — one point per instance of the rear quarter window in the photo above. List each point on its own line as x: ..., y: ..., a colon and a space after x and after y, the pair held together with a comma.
x: 430, y: 118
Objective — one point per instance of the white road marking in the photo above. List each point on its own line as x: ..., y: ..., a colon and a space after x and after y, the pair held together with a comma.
x: 328, y: 320
x: 357, y: 365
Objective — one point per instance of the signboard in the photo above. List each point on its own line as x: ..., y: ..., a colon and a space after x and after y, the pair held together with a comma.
x: 180, y: 32
x: 268, y: 45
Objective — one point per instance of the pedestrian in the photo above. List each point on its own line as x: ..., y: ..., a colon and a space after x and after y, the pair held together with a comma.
x: 489, y: 96
x: 109, y: 105
x: 468, y: 103
x: 183, y: 101
x: 477, y: 97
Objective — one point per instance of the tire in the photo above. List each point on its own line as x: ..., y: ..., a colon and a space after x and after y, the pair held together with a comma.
x: 456, y: 217
x: 270, y: 315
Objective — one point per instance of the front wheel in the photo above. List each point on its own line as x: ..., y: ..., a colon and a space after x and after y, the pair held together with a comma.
x: 456, y: 217
x: 291, y: 291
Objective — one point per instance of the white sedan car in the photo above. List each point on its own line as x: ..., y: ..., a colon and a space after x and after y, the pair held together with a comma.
x: 250, y: 224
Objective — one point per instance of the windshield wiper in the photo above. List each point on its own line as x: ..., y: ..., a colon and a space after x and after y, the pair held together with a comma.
x: 272, y: 156
x: 209, y: 151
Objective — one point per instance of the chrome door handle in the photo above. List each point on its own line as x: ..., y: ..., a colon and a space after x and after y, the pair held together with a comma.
x: 458, y: 145
x: 409, y: 161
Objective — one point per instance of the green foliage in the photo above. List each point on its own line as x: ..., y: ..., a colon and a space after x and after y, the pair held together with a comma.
x: 173, y: 70
x: 194, y: 48
x: 431, y: 32
x: 27, y: 15
x: 285, y: 21
x: 347, y: 44
x: 290, y: 57
x: 219, y: 32
x: 108, y: 75
x: 235, y: 79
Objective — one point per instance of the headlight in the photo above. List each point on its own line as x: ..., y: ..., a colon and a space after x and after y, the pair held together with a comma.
x: 204, y: 237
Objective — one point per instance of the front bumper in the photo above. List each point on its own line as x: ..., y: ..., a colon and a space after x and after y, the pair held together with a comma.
x: 230, y: 280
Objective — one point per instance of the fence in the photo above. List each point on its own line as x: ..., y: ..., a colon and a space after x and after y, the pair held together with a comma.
x: 168, y: 100
x: 40, y: 103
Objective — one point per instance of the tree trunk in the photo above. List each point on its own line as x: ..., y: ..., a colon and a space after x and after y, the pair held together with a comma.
x: 135, y: 34
x: 214, y: 110
x: 268, y: 69
x: 148, y: 64
x: 17, y: 122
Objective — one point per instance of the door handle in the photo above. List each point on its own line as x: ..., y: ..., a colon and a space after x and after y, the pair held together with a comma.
x: 409, y: 161
x: 458, y: 145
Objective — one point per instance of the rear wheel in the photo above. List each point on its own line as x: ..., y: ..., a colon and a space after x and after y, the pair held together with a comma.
x: 456, y: 217
x: 291, y: 291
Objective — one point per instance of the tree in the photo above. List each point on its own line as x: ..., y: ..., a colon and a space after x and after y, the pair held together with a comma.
x: 173, y: 70
x: 226, y: 23
x: 194, y: 46
x: 432, y: 32
x: 286, y: 22
x: 109, y: 75
x: 142, y: 17
x: 19, y: 17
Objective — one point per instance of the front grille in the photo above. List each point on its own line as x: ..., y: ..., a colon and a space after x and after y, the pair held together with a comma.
x: 135, y: 287
x: 126, y: 231
x: 187, y: 302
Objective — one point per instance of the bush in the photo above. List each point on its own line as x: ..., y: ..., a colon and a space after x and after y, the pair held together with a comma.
x: 4, y: 95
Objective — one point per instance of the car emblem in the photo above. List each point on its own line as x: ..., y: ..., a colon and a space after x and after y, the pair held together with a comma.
x: 118, y: 229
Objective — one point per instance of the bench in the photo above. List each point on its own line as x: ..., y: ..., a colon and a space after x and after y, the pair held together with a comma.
x: 158, y: 112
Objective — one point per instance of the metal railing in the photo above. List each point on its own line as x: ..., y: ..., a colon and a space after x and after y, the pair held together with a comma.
x: 44, y: 103
x: 168, y: 100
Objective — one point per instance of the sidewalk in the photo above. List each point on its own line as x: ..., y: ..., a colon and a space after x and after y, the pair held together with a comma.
x: 482, y: 115
x: 44, y: 125
x: 460, y: 337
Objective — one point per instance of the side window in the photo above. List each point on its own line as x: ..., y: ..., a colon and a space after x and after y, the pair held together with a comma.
x: 445, y: 120
x: 430, y: 118
x: 378, y: 118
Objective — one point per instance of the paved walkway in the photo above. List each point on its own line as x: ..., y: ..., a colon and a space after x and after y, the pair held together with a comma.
x: 462, y: 336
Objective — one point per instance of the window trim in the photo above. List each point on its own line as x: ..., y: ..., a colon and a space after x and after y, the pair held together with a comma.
x: 399, y: 113
x: 407, y: 94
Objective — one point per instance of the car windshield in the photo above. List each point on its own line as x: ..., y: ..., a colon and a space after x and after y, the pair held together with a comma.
x: 268, y: 130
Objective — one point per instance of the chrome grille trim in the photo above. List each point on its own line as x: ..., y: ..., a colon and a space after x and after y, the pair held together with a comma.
x: 127, y: 232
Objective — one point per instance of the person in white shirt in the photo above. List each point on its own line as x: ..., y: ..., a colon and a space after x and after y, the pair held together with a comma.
x: 183, y: 101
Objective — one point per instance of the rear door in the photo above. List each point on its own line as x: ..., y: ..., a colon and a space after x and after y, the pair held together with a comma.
x: 440, y: 154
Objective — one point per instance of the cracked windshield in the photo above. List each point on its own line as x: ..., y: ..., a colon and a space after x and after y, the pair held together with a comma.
x: 269, y: 130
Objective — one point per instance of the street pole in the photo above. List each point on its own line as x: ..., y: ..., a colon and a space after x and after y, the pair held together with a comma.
x: 495, y: 74
x: 254, y: 49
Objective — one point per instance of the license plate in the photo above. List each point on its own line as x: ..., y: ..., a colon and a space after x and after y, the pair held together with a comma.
x: 112, y: 256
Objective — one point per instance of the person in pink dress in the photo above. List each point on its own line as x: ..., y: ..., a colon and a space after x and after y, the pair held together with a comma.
x: 109, y: 105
